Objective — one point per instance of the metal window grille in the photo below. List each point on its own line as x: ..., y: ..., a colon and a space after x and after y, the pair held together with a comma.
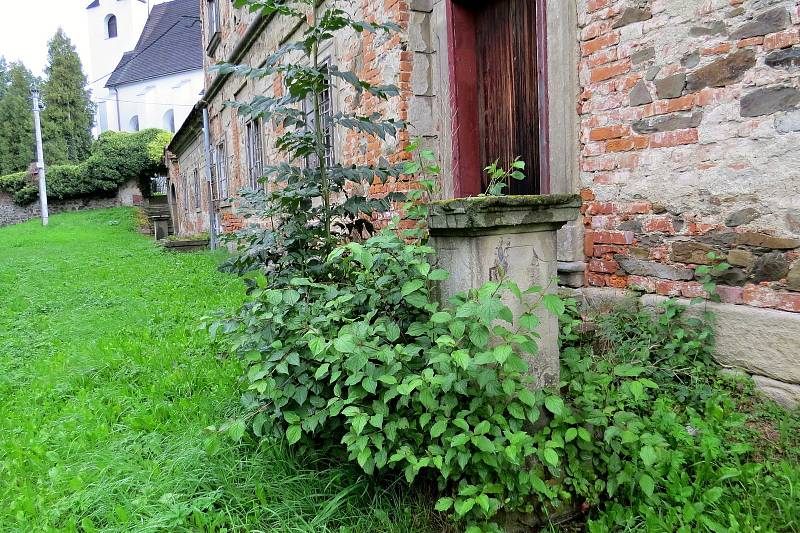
x: 221, y: 164
x: 326, y: 115
x: 214, y: 22
x: 255, y: 161
x: 185, y: 181
x: 196, y: 189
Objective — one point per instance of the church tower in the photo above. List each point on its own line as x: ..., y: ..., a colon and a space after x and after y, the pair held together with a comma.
x: 114, y: 28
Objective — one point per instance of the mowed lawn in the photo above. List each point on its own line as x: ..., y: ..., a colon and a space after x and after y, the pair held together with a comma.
x: 107, y: 385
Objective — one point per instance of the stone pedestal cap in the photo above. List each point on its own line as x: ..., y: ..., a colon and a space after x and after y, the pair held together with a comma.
x: 481, y: 215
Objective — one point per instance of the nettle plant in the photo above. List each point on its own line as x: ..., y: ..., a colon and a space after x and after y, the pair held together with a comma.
x: 314, y: 201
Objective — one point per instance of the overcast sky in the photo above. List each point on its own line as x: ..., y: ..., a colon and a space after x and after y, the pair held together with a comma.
x: 27, y: 25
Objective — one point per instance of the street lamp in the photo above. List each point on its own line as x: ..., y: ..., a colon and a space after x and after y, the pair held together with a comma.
x: 37, y: 106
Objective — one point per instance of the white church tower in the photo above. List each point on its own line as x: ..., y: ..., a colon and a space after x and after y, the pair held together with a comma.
x: 114, y: 28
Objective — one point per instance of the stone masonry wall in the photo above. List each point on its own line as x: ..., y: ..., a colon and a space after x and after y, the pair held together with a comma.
x: 690, y: 127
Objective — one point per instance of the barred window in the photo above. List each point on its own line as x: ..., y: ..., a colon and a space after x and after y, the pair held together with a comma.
x: 196, y: 189
x: 326, y: 115
x: 221, y: 170
x: 255, y: 155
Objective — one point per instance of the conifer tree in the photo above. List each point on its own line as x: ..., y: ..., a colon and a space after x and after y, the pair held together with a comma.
x: 69, y: 113
x: 17, y: 144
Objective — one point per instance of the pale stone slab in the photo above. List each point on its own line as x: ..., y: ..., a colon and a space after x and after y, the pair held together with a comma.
x: 785, y: 394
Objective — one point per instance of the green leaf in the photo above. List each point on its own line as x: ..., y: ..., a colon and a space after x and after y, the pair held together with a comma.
x: 464, y: 506
x: 462, y: 358
x: 648, y: 455
x: 439, y: 275
x: 570, y: 434
x: 293, y: 433
x: 529, y: 321
x: 527, y: 397
x: 551, y: 457
x: 479, y: 336
x: 647, y: 484
x: 460, y: 440
x: 444, y: 504
x: 322, y: 370
x: 345, y: 344
x: 483, y: 444
x: 554, y: 404
x: 442, y: 317
x: 502, y: 353
x: 411, y: 286
x: 439, y: 428
x: 554, y: 304
x: 628, y: 371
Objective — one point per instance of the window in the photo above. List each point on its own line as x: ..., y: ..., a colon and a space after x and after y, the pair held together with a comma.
x: 196, y: 189
x: 496, y: 44
x: 326, y: 114
x: 169, y: 121
x: 254, y: 147
x: 111, y: 26
x: 213, y: 16
x: 221, y: 168
x: 185, y: 181
x: 133, y: 123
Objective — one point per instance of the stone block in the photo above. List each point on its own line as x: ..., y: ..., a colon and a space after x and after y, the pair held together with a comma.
x: 690, y: 60
x: 770, y: 267
x: 671, y: 86
x: 421, y: 116
x: 691, y: 252
x: 787, y: 395
x: 637, y: 267
x: 770, y: 21
x: 786, y: 58
x: 793, y: 278
x: 643, y: 55
x: 788, y: 122
x: 742, y: 217
x: 741, y: 258
x: 640, y: 95
x: 676, y: 121
x: 762, y: 240
x: 769, y: 100
x: 717, y: 27
x: 722, y: 72
x: 631, y: 15
x: 422, y: 75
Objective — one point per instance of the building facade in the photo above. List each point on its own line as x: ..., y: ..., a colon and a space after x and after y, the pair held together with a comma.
x: 675, y: 120
x: 146, y: 62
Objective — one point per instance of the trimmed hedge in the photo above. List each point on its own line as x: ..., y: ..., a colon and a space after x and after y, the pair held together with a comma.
x: 116, y: 157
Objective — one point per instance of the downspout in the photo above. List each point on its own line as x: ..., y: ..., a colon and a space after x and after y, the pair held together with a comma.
x: 212, y: 219
x: 119, y: 115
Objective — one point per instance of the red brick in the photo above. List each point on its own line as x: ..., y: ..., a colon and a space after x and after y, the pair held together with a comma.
x: 604, y: 222
x: 684, y: 103
x: 587, y: 195
x: 693, y: 289
x: 613, y: 237
x: 659, y: 225
x: 595, y: 45
x: 758, y: 296
x: 722, y: 48
x: 674, y: 138
x: 601, y: 250
x: 782, y: 39
x: 668, y: 288
x: 604, y: 267
x: 588, y: 243
x: 730, y: 295
x: 609, y: 132
x: 642, y: 283
x: 609, y: 71
x: 601, y: 58
x: 595, y: 5
x: 599, y: 208
x: 627, y: 144
x: 751, y: 41
x: 595, y: 280
x: 597, y: 29
x: 636, y: 208
x: 789, y: 301
x: 618, y: 282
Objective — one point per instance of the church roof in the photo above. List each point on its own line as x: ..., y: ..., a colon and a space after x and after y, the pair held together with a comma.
x: 97, y: 3
x: 171, y: 42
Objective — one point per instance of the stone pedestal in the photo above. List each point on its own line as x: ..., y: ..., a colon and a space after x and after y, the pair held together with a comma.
x: 160, y: 227
x: 483, y: 238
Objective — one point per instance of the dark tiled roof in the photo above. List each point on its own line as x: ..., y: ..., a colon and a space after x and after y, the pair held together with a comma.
x: 97, y: 3
x: 171, y: 42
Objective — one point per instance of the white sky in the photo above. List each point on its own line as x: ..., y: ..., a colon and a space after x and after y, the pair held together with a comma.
x: 27, y: 25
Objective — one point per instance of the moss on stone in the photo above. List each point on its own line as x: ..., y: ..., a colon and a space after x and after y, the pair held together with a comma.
x: 477, y: 203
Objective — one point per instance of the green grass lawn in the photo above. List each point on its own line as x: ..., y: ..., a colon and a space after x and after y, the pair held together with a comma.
x: 106, y: 386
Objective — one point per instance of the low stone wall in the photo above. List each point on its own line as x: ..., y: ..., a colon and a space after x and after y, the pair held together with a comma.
x: 760, y: 342
x: 11, y: 213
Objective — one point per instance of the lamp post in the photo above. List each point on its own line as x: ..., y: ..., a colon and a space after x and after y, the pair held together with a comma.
x: 37, y: 106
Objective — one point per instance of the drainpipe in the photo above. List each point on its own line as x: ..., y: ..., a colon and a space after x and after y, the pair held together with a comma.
x: 119, y: 115
x: 212, y: 220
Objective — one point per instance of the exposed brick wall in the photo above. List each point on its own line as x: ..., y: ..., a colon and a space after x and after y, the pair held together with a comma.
x: 689, y: 133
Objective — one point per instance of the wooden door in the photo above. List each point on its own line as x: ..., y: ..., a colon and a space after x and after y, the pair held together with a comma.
x: 508, y: 113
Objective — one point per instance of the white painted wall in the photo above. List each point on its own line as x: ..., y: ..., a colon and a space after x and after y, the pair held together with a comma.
x: 106, y: 53
x: 151, y: 100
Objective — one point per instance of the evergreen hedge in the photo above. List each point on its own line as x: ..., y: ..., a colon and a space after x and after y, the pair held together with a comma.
x: 115, y: 158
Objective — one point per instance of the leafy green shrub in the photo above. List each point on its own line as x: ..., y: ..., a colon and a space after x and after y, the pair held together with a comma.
x: 116, y: 157
x: 367, y: 360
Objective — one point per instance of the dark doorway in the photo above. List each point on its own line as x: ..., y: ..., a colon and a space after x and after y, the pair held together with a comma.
x: 496, y: 72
